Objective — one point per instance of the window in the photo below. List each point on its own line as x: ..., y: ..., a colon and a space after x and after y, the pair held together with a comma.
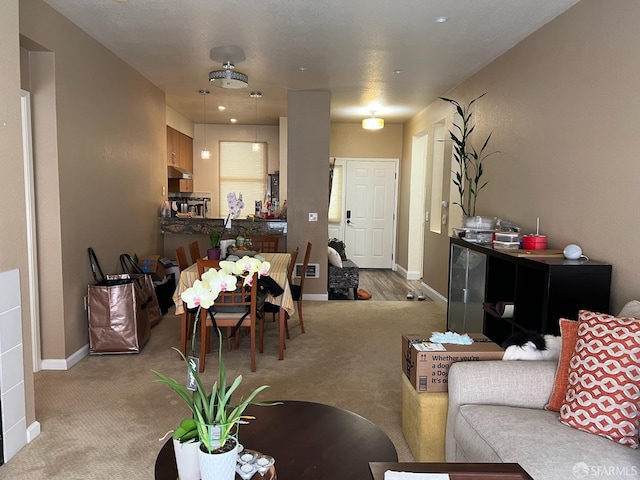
x: 336, y: 201
x: 242, y: 170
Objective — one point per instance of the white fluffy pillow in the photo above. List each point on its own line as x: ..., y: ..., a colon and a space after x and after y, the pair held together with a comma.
x: 334, y: 257
x: 631, y: 309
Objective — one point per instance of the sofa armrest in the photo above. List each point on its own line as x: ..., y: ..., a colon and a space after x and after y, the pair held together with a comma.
x: 526, y: 384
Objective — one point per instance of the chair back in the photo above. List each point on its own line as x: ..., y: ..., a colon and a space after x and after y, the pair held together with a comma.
x: 194, y: 251
x: 204, y: 265
x: 181, y: 257
x: 265, y: 244
x: 303, y: 275
x: 292, y: 264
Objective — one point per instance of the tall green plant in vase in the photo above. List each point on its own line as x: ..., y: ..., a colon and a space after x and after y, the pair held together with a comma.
x: 468, y: 177
x: 216, y: 417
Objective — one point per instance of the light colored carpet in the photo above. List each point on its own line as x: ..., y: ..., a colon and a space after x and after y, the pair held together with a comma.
x: 103, y: 418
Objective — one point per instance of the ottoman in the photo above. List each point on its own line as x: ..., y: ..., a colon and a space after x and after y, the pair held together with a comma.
x: 424, y: 421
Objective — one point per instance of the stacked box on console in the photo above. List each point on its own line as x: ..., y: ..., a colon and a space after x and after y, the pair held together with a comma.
x: 426, y: 364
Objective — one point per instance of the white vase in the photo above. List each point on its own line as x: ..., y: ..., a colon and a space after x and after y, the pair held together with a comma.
x: 219, y: 466
x: 187, y: 460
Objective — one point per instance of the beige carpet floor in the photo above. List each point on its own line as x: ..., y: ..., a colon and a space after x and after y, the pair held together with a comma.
x: 102, y: 419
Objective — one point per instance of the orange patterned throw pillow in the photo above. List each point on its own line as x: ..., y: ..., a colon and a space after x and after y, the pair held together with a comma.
x: 569, y: 333
x: 604, y: 378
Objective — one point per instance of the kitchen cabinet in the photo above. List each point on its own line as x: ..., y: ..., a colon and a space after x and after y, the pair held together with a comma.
x: 180, y: 185
x: 467, y: 273
x: 179, y: 150
x: 541, y: 290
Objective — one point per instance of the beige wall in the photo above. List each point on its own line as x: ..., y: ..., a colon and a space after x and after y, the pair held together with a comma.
x: 308, y: 182
x: 99, y: 146
x: 206, y: 172
x: 13, y: 243
x: 350, y: 140
x: 563, y: 108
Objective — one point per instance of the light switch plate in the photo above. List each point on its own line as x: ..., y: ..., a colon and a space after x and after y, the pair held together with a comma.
x: 313, y: 217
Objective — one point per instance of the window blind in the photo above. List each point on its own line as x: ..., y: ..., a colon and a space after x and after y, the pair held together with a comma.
x: 242, y: 170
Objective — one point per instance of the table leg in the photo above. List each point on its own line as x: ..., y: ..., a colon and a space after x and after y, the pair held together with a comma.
x: 282, y: 321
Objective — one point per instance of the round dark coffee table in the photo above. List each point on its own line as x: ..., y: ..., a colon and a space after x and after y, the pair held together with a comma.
x: 310, y: 441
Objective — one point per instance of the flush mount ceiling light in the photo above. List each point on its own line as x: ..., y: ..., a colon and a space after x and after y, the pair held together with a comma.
x: 228, y: 77
x: 204, y: 154
x: 373, y: 123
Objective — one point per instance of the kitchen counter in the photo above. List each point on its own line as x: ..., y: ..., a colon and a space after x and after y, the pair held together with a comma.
x: 204, y: 226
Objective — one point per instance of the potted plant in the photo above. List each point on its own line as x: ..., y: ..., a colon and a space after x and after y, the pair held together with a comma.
x: 213, y: 253
x: 468, y: 178
x: 215, y: 416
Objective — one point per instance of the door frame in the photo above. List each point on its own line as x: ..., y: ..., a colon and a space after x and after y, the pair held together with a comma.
x: 344, y: 161
x: 32, y: 246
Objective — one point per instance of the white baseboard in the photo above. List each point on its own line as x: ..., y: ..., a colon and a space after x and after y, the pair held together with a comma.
x: 65, y: 363
x: 318, y: 297
x: 435, y: 296
x: 406, y: 274
x: 33, y: 431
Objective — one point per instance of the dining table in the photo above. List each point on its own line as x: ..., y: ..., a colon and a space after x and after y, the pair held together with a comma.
x: 277, y: 271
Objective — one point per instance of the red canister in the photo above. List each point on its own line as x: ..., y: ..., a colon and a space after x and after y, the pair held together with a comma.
x: 534, y: 242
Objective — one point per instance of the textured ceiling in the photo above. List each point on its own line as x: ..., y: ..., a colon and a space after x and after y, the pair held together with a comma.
x: 348, y: 47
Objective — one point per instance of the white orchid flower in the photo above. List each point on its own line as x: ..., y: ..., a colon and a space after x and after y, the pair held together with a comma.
x: 199, y: 295
x: 220, y: 280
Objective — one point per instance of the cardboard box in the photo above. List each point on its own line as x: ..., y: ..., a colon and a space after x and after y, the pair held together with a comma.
x: 426, y: 364
x: 154, y: 265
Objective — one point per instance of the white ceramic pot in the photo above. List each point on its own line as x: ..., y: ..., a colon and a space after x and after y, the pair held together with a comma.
x: 218, y: 466
x: 187, y: 460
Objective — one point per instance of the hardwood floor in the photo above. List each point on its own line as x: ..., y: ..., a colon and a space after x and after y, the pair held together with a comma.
x: 387, y: 285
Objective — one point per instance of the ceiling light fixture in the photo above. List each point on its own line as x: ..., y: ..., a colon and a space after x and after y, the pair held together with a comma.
x: 228, y: 77
x: 204, y: 154
x: 256, y: 146
x: 441, y: 19
x: 373, y: 122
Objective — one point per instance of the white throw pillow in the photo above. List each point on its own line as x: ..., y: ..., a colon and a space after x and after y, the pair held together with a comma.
x: 334, y: 257
x: 631, y: 309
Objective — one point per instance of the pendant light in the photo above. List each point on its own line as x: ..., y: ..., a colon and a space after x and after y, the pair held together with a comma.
x: 256, y: 146
x: 373, y: 123
x: 204, y: 154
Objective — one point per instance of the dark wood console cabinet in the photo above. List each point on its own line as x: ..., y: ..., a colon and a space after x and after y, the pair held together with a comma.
x: 542, y: 290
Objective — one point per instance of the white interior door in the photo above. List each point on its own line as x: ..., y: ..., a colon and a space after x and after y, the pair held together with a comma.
x: 370, y: 206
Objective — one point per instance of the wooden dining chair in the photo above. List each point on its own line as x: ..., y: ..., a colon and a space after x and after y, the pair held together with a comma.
x: 243, y: 303
x: 194, y: 251
x: 265, y: 244
x: 297, y: 290
x: 181, y: 257
x: 275, y: 309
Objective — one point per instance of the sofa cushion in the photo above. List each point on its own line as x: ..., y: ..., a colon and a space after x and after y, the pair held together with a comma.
x: 544, y: 447
x: 604, y: 378
x: 569, y: 333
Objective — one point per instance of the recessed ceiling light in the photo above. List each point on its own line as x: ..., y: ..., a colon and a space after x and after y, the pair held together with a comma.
x: 121, y: 1
x: 302, y: 69
x: 221, y: 107
x: 397, y: 72
x: 233, y: 120
x: 441, y: 19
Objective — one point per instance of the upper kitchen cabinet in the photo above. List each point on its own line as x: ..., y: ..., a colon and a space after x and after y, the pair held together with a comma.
x: 179, y: 151
x: 179, y: 161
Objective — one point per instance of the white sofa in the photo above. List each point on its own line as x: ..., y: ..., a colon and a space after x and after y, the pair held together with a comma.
x: 496, y: 414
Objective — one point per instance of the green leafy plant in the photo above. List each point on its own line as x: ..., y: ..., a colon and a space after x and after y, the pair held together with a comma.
x: 216, y: 418
x: 470, y: 170
x: 215, y: 236
x: 187, y: 431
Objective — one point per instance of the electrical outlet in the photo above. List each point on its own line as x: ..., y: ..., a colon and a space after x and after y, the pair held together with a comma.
x: 313, y: 217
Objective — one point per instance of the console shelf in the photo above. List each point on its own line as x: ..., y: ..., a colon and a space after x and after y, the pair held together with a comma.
x: 541, y: 289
